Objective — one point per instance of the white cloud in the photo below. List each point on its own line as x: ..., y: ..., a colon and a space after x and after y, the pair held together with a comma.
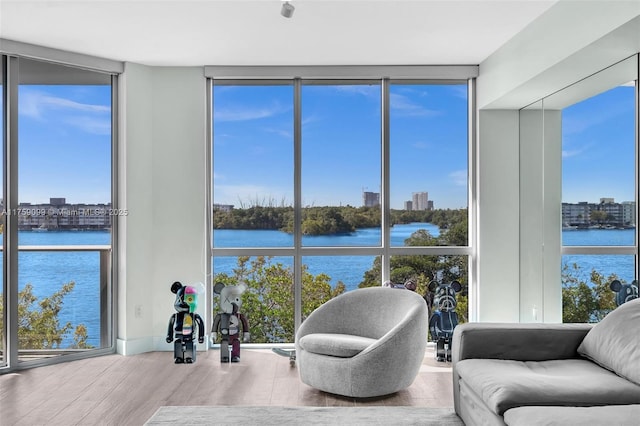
x: 90, y: 118
x: 402, y: 105
x: 244, y: 113
x: 360, y: 89
x: 568, y: 153
x: 459, y: 177
x: 420, y: 145
x: 35, y: 104
x: 91, y: 125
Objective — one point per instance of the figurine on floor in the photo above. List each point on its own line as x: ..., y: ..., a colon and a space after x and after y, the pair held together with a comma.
x: 184, y: 324
x: 444, y: 318
x: 229, y: 321
x: 624, y: 292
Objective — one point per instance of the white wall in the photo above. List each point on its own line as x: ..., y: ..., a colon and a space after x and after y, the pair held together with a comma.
x: 498, y: 216
x: 162, y: 180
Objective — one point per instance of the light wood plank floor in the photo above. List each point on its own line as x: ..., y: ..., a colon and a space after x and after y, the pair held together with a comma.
x: 118, y: 390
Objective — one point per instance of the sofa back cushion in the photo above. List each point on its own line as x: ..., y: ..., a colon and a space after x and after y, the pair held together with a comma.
x: 614, y: 343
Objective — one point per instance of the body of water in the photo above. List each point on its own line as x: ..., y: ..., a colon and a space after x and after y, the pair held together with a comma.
x: 48, y: 271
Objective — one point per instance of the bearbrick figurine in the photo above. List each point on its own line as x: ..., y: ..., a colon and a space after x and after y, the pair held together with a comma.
x: 625, y: 292
x: 229, y: 321
x: 443, y: 317
x: 184, y: 324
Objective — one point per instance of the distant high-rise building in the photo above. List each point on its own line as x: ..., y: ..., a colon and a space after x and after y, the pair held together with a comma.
x: 430, y: 205
x: 420, y: 200
x: 370, y: 199
x: 408, y: 205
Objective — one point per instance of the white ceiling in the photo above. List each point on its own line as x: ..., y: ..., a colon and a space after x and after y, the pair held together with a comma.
x: 252, y: 32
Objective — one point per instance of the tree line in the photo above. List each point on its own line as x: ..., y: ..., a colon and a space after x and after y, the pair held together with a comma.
x: 328, y: 220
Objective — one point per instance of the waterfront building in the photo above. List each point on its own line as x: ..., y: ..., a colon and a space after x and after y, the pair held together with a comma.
x: 60, y: 215
x: 581, y: 215
x: 408, y: 205
x: 370, y: 199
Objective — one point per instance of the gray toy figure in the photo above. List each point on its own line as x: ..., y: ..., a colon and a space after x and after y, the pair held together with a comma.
x: 229, y: 321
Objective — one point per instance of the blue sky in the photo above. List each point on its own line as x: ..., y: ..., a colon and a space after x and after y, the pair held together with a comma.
x: 253, y: 144
x: 598, y: 147
x: 64, y: 143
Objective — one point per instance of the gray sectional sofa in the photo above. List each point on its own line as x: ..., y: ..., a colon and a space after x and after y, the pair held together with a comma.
x: 549, y: 374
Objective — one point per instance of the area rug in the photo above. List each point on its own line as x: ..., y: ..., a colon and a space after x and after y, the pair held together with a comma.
x: 270, y: 415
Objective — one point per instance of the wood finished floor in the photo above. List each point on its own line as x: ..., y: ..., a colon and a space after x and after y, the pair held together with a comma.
x: 118, y: 390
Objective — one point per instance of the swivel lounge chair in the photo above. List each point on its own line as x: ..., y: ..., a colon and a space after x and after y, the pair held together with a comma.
x: 365, y: 343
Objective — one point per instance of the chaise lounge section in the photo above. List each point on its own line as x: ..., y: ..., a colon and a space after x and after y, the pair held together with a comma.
x: 564, y: 374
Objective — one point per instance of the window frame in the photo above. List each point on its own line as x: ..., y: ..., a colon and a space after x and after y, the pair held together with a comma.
x: 385, y: 76
x: 10, y: 56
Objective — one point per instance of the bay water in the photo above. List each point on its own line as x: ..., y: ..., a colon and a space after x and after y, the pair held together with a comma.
x: 48, y: 271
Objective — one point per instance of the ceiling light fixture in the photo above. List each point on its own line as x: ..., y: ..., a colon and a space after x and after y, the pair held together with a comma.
x: 287, y: 10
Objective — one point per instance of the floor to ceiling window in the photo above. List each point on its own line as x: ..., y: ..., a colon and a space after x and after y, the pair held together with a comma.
x: 326, y: 185
x: 59, y: 216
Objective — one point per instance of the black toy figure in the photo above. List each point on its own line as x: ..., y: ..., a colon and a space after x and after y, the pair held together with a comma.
x: 624, y: 292
x: 184, y: 324
x: 444, y: 318
x: 229, y: 321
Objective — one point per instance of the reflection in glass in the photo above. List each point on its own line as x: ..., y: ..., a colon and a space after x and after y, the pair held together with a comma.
x: 598, y: 169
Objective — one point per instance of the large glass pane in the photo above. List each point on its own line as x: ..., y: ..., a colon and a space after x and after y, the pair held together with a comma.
x: 64, y: 192
x: 325, y: 277
x: 341, y: 158
x: 267, y: 304
x: 252, y: 166
x: 429, y: 160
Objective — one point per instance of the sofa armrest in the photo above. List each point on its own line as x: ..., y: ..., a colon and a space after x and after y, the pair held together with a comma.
x: 517, y: 341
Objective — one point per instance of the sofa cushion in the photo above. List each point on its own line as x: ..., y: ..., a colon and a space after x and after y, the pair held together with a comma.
x: 619, y: 415
x: 505, y: 384
x: 614, y: 342
x: 333, y: 344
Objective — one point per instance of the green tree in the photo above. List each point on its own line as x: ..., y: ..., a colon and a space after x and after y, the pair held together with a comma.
x: 38, y: 323
x: 598, y: 216
x: 269, y: 301
x: 425, y: 268
x: 585, y: 300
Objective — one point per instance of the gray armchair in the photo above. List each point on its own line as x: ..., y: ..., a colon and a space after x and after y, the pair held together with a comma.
x: 364, y: 343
